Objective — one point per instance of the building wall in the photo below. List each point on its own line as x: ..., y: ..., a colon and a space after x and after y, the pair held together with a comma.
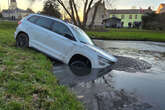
x: 100, y: 15
x: 162, y: 10
x: 13, y: 5
x: 127, y: 19
x: 17, y: 15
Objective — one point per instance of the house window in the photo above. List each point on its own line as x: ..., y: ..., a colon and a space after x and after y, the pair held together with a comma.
x: 130, y: 16
x: 135, y: 16
x: 122, y: 16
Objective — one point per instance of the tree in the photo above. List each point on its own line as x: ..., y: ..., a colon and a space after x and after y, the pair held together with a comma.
x: 51, y: 8
x: 153, y: 21
x: 30, y: 10
x: 86, y: 5
x: 0, y: 15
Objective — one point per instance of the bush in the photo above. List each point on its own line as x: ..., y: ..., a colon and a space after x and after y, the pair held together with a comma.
x: 0, y: 15
x: 153, y: 21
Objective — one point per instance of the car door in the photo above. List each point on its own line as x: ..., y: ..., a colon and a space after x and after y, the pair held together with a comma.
x: 42, y: 28
x: 38, y: 28
x: 61, y: 39
x: 30, y: 28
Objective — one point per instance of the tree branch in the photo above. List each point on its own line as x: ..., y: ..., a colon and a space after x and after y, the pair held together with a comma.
x: 72, y: 11
x: 77, y: 16
x: 62, y: 4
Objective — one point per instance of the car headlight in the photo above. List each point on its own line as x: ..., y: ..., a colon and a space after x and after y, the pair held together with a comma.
x: 103, y: 61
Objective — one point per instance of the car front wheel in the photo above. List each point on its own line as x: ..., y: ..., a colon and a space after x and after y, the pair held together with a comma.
x: 80, y: 67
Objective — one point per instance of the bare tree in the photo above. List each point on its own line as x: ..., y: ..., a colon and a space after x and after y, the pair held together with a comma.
x: 86, y: 5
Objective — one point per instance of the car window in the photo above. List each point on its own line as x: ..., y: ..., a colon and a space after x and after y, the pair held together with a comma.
x: 61, y: 29
x: 33, y: 19
x: 44, y: 22
x: 81, y: 35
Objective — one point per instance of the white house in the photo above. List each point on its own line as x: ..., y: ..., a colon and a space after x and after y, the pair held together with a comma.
x: 14, y: 12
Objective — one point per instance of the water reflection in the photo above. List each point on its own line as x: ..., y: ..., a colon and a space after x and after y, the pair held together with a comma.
x: 72, y: 76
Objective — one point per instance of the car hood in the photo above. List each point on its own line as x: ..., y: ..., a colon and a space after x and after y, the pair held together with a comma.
x: 103, y: 53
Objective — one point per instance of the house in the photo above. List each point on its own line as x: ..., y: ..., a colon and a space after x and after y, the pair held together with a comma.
x: 129, y: 17
x: 112, y: 22
x: 161, y: 9
x: 13, y: 12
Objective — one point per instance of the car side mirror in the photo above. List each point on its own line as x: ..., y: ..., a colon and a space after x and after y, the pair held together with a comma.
x: 69, y: 36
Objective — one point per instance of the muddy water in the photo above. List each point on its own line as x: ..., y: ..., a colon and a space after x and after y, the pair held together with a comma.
x: 149, y: 85
x: 140, y: 71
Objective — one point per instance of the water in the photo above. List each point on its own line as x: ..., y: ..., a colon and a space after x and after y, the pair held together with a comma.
x: 147, y: 85
x: 69, y: 76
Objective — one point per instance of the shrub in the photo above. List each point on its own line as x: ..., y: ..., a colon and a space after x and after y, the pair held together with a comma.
x: 153, y: 21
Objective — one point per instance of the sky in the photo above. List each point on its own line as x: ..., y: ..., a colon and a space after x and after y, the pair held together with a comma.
x: 117, y: 4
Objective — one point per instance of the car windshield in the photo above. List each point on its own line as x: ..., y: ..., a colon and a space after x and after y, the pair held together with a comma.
x: 82, y: 36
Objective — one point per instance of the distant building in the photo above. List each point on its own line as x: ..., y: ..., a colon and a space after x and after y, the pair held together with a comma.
x: 13, y: 12
x: 101, y: 14
x: 161, y: 9
x: 129, y: 16
x: 112, y: 22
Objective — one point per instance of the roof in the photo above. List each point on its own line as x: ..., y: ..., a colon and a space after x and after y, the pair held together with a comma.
x: 129, y: 11
x: 162, y: 4
x: 112, y: 18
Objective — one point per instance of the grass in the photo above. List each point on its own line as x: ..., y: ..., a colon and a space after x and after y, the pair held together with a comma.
x: 129, y: 34
x: 26, y: 80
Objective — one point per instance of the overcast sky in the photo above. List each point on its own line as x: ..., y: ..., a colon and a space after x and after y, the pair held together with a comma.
x: 124, y: 4
x: 118, y: 4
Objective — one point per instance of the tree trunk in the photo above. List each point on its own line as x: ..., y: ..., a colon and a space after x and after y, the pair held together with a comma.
x: 72, y: 12
x: 77, y: 16
x: 62, y: 4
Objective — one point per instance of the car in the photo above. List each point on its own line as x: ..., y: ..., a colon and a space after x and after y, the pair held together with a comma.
x: 61, y: 40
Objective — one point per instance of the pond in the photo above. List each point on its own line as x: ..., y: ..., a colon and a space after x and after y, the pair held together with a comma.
x: 140, y: 71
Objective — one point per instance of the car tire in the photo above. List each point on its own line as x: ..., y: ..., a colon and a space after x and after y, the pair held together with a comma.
x: 80, y: 67
x: 79, y: 63
x: 22, y: 41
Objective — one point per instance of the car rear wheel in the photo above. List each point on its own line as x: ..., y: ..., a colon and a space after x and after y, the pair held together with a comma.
x: 22, y: 41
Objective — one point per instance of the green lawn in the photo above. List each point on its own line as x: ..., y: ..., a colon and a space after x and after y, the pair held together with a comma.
x: 129, y: 34
x: 26, y: 79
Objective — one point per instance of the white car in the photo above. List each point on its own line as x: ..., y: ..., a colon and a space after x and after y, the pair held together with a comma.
x: 61, y: 40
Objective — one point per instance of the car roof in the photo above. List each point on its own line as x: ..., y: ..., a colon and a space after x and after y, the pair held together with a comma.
x: 50, y: 17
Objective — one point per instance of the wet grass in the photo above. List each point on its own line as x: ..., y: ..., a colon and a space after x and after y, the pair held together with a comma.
x: 129, y: 34
x: 26, y: 80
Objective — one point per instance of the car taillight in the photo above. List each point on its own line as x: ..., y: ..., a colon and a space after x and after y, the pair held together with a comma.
x: 19, y: 22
